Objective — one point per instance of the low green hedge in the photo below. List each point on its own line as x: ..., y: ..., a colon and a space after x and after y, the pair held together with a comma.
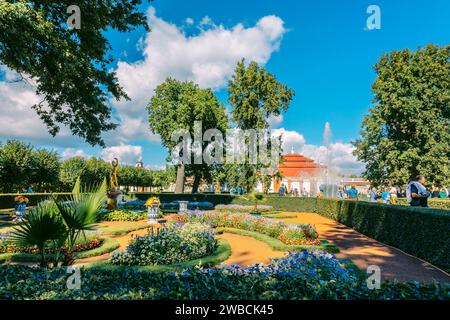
x: 435, y: 203
x: 7, y: 199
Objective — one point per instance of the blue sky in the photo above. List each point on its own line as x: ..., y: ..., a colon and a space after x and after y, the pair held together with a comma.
x: 322, y: 49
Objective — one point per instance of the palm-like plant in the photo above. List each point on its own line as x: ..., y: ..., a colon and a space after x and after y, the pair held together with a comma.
x: 79, y: 213
x: 61, y: 222
x: 40, y: 225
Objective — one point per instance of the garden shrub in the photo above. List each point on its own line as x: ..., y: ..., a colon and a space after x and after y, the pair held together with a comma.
x: 300, y: 275
x: 287, y: 233
x: 122, y: 215
x: 175, y: 243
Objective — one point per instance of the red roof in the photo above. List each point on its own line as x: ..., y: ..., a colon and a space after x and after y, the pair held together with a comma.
x: 294, y: 165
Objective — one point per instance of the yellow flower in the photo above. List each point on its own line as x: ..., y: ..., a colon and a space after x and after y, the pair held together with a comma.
x: 152, y: 200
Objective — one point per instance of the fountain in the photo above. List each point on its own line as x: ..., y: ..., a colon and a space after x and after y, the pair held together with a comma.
x: 329, y: 187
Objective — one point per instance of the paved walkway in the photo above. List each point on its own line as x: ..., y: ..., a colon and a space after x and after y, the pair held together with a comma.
x: 364, y: 251
x: 246, y: 251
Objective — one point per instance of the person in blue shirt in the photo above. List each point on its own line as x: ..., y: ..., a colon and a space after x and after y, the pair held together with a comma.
x: 385, y: 195
x: 281, y: 191
x: 373, y: 195
x: 352, y: 193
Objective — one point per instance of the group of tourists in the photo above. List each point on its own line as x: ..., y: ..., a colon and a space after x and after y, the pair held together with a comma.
x: 416, y: 193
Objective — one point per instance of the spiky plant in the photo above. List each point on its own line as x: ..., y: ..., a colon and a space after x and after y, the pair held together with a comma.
x: 79, y: 213
x: 40, y: 225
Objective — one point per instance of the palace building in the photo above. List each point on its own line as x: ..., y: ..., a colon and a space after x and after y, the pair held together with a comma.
x: 298, y: 172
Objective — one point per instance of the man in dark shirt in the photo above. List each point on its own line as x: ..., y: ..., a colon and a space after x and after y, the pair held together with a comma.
x: 418, y: 197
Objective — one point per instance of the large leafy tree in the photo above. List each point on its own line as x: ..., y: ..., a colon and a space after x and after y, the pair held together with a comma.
x: 95, y: 172
x: 176, y: 105
x: 70, y: 170
x: 45, y: 169
x: 407, y: 131
x: 70, y: 67
x: 16, y: 159
x: 255, y: 95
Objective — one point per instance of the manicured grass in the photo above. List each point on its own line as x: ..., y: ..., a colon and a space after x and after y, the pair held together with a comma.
x: 108, y: 245
x: 222, y: 252
x: 276, y: 244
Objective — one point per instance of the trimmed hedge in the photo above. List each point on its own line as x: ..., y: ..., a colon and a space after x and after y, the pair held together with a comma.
x: 197, y: 197
x: 435, y: 203
x: 7, y: 199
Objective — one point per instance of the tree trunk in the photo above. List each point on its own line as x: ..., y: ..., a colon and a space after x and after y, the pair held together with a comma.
x: 197, y: 179
x: 179, y: 184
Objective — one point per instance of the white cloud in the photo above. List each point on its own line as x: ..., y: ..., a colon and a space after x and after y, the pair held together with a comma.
x: 275, y: 121
x: 207, y: 58
x: 19, y: 121
x: 126, y: 154
x: 72, y: 152
x: 291, y: 140
x: 189, y: 21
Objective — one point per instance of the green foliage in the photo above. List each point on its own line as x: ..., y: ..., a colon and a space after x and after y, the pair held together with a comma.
x: 61, y: 222
x: 170, y: 245
x: 432, y: 203
x: 256, y: 94
x: 44, y: 169
x: 7, y: 199
x: 16, y: 165
x: 176, y: 106
x: 41, y: 225
x: 122, y: 215
x: 70, y: 67
x: 407, y: 131
x: 71, y: 170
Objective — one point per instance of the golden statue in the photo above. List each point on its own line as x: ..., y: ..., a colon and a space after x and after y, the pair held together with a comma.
x: 114, y: 190
x: 113, y: 182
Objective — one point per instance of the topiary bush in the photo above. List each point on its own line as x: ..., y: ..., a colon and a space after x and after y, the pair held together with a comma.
x: 175, y: 243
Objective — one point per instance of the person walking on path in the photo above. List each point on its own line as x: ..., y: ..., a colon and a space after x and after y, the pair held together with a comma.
x: 416, y: 193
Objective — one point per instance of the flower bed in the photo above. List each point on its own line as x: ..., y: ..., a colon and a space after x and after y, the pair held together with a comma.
x: 83, y: 245
x: 300, y: 275
x: 298, y: 234
x: 175, y: 243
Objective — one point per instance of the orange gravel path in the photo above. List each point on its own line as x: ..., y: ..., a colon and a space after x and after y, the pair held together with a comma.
x: 123, y: 240
x: 247, y: 250
x: 364, y: 251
